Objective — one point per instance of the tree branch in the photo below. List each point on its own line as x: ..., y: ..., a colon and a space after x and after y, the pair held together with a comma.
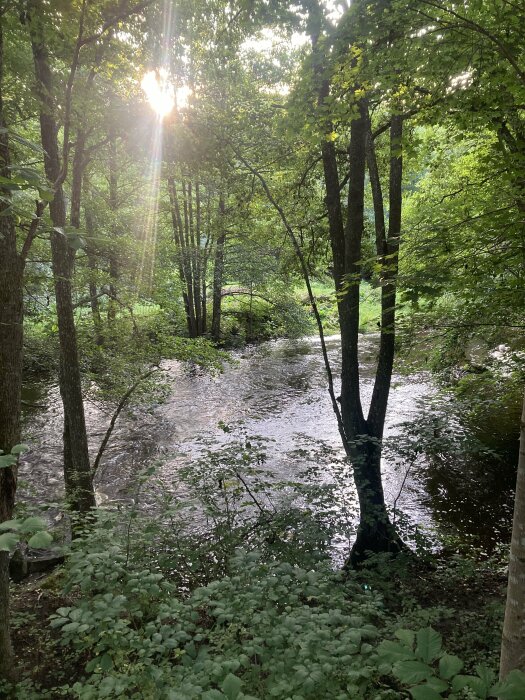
x: 311, y: 296
x: 115, y: 416
x: 33, y: 230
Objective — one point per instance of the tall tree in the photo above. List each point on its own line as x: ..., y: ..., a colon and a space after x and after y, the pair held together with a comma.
x: 77, y: 469
x: 12, y: 265
x: 362, y: 435
x: 11, y: 337
x: 513, y: 638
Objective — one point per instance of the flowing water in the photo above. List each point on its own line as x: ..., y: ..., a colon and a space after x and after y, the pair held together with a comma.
x: 276, y: 390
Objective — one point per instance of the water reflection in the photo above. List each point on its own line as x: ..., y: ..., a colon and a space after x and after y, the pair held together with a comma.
x: 276, y: 390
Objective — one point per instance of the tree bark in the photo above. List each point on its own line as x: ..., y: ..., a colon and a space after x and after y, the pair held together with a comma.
x: 362, y: 437
x: 11, y: 337
x: 513, y: 638
x: 388, y: 253
x: 113, y: 207
x: 182, y: 257
x: 77, y: 472
x: 92, y: 265
x: 195, y: 244
x: 218, y: 273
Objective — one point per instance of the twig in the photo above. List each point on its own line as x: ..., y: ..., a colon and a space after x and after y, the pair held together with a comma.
x: 243, y: 482
x: 115, y: 416
x: 33, y: 230
x: 311, y: 296
x: 400, y: 492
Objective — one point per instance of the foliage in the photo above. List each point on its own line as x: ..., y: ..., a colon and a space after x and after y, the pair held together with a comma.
x: 419, y: 662
x: 265, y: 628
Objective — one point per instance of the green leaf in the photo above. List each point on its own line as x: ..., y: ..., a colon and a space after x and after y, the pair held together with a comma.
x: 390, y: 652
x: 424, y: 692
x: 75, y: 242
x: 231, y: 686
x: 40, y: 540
x: 475, y: 683
x: 37, y: 148
x: 486, y: 674
x: 32, y: 524
x: 46, y: 195
x: 411, y: 672
x: 513, y: 687
x: 437, y: 684
x: 7, y: 461
x: 106, y: 662
x: 18, y: 449
x: 406, y: 637
x: 8, y: 541
x: 428, y: 644
x: 449, y: 666
x: 10, y: 525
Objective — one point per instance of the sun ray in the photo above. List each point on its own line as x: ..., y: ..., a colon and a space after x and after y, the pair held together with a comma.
x: 161, y: 96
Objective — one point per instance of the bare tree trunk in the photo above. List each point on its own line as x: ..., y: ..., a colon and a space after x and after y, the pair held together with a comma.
x: 513, y: 639
x: 113, y: 206
x: 205, y: 261
x: 184, y: 270
x: 218, y: 273
x: 11, y: 337
x: 188, y: 264
x: 77, y: 471
x: 195, y: 237
x: 92, y: 265
x: 388, y: 255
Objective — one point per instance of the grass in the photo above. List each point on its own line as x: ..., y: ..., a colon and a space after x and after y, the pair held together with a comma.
x: 369, y: 305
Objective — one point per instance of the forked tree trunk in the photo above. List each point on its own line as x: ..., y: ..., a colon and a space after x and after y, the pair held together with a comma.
x: 513, y: 638
x: 362, y: 436
x: 77, y: 470
x: 376, y: 532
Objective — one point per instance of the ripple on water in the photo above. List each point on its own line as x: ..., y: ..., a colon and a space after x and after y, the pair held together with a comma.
x: 276, y: 390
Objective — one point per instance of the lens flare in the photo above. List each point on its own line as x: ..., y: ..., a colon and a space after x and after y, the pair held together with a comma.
x: 159, y: 91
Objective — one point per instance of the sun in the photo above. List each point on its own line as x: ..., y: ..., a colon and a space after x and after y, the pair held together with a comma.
x: 159, y: 91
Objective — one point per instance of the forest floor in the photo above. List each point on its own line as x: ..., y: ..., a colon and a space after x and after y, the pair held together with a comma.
x: 461, y: 597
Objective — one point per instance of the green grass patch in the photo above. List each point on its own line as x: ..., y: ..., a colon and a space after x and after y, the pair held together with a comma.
x: 369, y: 306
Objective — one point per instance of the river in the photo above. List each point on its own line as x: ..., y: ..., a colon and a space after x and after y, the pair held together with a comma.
x: 275, y: 391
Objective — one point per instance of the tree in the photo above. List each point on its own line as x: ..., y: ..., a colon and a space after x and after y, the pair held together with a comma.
x: 11, y: 319
x: 77, y: 468
x: 12, y: 265
x: 361, y: 435
x: 513, y: 638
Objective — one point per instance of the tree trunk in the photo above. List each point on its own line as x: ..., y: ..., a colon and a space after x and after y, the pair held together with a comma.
x: 92, y: 265
x: 195, y: 241
x: 114, y: 271
x: 388, y: 253
x: 513, y: 639
x: 218, y: 272
x: 184, y: 271
x: 77, y: 471
x: 11, y: 337
x: 363, y: 436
